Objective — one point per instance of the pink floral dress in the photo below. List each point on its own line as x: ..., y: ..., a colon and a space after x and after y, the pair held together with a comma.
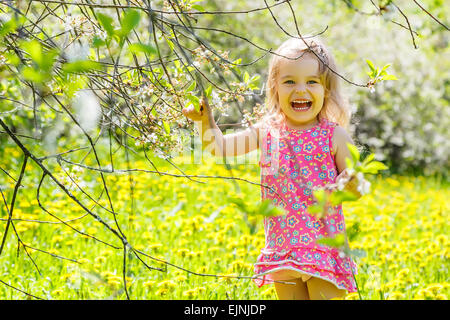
x: 291, y: 165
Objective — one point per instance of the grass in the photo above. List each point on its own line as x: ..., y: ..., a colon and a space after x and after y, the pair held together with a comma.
x: 403, y: 222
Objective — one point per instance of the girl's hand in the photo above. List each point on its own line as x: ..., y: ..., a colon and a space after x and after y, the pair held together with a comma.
x: 347, y: 180
x: 203, y: 115
x: 352, y: 186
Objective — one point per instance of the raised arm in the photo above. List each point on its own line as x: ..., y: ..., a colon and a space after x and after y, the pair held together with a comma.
x: 214, y: 141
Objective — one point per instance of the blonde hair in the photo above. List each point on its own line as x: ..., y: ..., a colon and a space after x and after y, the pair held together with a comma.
x: 335, y: 106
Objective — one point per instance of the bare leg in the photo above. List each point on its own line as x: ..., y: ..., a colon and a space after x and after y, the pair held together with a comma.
x: 319, y: 289
x: 299, y: 291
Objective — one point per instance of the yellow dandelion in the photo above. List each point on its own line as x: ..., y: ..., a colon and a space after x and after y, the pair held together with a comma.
x: 392, y: 284
x: 53, y: 251
x: 180, y: 278
x: 114, y: 278
x: 167, y: 284
x: 57, y: 239
x: 352, y: 296
x: 57, y: 292
x: 84, y: 261
x: 201, y: 289
x: 393, y: 266
x: 186, y: 233
x: 226, y: 277
x: 441, y: 239
x: 114, y: 283
x: 423, y: 294
x: 403, y: 273
x: 100, y: 259
x: 396, y: 295
x: 213, y: 249
x: 190, y: 294
x: 154, y: 246
x: 161, y: 292
x: 269, y: 293
x: 435, y: 288
x: 106, y: 252
x: 202, y: 269
x: 149, y: 283
x: 183, y: 252
x: 197, y: 254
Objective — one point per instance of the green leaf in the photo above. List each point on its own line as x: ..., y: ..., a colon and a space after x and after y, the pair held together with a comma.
x: 385, y: 67
x: 12, y: 58
x: 371, y: 66
x: 335, y: 242
x: 267, y: 209
x: 198, y: 8
x: 369, y: 158
x: 208, y: 91
x: 97, y: 42
x: 246, y: 77
x: 49, y: 59
x: 191, y: 87
x: 34, y: 49
x: 106, y: 22
x: 354, y: 152
x: 240, y: 204
x: 255, y: 78
x: 373, y: 167
x: 349, y: 163
x: 315, y: 209
x: 166, y: 127
x: 170, y: 44
x: 319, y: 195
x: 140, y: 47
x: 81, y: 66
x: 195, y: 101
x: 34, y: 75
x: 337, y: 197
x: 177, y: 65
x: 353, y: 231
x: 8, y: 27
x: 389, y: 77
x: 129, y: 21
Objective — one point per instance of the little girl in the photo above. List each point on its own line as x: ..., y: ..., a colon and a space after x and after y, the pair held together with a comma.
x: 303, y: 147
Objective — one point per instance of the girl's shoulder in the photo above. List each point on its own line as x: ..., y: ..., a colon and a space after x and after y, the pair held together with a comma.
x: 329, y: 123
x: 340, y: 138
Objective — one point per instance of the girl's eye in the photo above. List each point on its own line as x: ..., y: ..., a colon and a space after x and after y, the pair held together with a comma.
x: 289, y: 82
x: 312, y: 81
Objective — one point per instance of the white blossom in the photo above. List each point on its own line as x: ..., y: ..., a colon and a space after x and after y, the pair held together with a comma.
x: 76, y: 51
x: 363, y: 186
x: 87, y: 109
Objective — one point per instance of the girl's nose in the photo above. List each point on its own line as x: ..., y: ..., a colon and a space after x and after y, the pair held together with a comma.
x: 300, y: 88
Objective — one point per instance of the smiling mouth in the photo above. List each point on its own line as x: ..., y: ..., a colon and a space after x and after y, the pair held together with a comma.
x: 301, y: 105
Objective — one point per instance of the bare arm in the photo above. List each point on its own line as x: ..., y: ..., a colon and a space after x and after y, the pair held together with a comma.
x: 341, y: 151
x: 214, y: 141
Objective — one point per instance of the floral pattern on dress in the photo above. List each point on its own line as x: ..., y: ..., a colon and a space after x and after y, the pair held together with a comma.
x: 295, y: 162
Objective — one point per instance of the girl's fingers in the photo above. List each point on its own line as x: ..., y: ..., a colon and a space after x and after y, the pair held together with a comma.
x: 204, y: 105
x: 195, y: 115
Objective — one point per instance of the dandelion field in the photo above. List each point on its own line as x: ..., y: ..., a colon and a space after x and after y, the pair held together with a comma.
x: 195, y: 227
